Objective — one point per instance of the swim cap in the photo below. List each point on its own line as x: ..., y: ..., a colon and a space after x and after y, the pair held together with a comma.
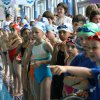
x: 88, y: 29
x: 66, y: 27
x: 95, y: 37
x: 40, y: 26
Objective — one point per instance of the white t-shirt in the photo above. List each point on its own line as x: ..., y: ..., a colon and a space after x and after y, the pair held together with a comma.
x: 6, y: 23
x: 62, y: 20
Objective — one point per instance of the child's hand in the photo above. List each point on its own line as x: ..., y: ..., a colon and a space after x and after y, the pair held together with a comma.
x: 37, y: 64
x: 63, y: 46
x: 56, y: 47
x: 83, y: 94
x: 56, y: 69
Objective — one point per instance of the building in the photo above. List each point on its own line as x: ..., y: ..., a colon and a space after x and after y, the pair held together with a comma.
x: 34, y: 8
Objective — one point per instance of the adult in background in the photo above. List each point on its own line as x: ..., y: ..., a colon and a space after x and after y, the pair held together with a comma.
x: 61, y: 11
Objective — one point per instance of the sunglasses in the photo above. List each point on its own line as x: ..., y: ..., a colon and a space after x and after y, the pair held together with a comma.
x: 84, y: 29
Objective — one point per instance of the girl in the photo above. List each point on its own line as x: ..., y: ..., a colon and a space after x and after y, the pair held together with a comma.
x: 71, y: 49
x: 51, y: 35
x: 94, y: 73
x: 40, y: 53
x: 72, y: 52
x: 25, y: 31
x: 14, y: 40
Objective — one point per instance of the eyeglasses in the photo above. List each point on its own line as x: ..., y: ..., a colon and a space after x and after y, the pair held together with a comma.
x: 84, y: 29
x: 62, y: 26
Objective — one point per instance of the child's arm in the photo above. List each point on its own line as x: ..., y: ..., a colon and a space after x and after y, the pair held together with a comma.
x: 49, y: 48
x: 73, y: 70
x: 26, y: 56
x: 18, y: 50
x: 54, y: 54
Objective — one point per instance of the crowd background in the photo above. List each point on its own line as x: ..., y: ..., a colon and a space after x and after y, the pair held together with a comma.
x: 29, y: 48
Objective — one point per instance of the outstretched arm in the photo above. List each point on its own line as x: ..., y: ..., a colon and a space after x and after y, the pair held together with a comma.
x: 78, y: 71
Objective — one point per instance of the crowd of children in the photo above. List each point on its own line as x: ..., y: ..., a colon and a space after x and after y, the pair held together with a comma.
x: 52, y: 58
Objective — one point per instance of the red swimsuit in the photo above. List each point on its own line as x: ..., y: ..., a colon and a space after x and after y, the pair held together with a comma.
x: 12, y: 54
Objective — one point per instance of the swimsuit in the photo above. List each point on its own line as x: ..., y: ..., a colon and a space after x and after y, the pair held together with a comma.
x: 12, y: 54
x: 39, y: 53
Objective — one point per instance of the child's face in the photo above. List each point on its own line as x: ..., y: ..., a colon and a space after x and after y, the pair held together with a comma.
x: 25, y: 35
x: 37, y: 33
x: 21, y: 24
x: 96, y: 19
x: 60, y: 11
x: 76, y: 25
x: 71, y: 48
x: 94, y: 50
x: 50, y: 35
x: 63, y: 35
x: 83, y: 41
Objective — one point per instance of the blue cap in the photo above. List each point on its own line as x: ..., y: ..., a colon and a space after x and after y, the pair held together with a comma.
x: 40, y: 26
x: 44, y: 20
x: 24, y: 21
x: 52, y: 28
x: 27, y: 26
x: 65, y: 27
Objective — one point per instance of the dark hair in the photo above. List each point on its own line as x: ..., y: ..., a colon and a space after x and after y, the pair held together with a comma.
x: 7, y: 15
x: 23, y: 30
x: 48, y: 14
x: 98, y: 5
x: 89, y: 9
x: 63, y: 5
x: 79, y: 18
x: 93, y: 14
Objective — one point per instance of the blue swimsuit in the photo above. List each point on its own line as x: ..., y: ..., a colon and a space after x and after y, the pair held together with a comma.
x: 39, y: 53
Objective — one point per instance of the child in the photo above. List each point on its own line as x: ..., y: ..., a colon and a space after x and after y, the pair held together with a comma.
x: 71, y: 49
x: 95, y: 16
x: 14, y: 40
x: 40, y: 53
x: 59, y: 55
x: 25, y: 31
x: 84, y: 32
x: 49, y: 15
x: 94, y: 73
x: 51, y: 35
x: 78, y: 21
x: 72, y: 52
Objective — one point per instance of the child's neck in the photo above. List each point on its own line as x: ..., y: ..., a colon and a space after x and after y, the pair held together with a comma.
x: 38, y: 42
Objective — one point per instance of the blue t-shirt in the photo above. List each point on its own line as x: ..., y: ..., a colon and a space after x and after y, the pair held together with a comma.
x: 82, y: 60
x: 95, y: 93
